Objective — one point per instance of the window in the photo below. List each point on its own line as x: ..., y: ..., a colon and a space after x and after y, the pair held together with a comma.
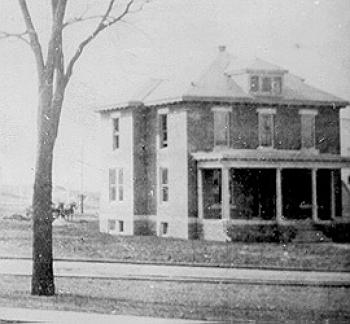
x: 164, y: 228
x: 163, y: 130
x: 120, y: 185
x: 164, y: 185
x: 116, y: 182
x: 221, y: 126
x: 216, y: 186
x: 277, y: 85
x: 121, y: 226
x: 111, y: 225
x: 115, y: 133
x: 254, y: 83
x: 266, y: 84
x: 266, y: 127
x: 308, y: 128
x: 112, y: 185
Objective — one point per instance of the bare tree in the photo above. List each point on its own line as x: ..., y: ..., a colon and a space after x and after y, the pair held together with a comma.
x: 53, y: 78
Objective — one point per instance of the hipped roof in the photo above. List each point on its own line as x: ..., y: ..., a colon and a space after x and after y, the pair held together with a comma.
x: 217, y: 84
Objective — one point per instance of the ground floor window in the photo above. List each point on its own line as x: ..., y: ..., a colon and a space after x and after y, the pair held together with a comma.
x: 212, y: 193
x: 121, y: 226
x: 164, y: 228
x: 111, y: 225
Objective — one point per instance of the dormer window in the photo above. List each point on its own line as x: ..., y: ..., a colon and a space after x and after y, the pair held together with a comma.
x: 277, y: 85
x: 254, y: 83
x: 266, y: 84
x: 271, y: 85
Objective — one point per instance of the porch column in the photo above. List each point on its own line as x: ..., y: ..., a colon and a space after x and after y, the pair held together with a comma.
x: 200, y: 192
x: 332, y: 195
x: 278, y: 195
x: 225, y: 193
x: 314, y: 195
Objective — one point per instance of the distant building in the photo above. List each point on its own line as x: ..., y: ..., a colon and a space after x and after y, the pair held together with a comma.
x: 248, y: 143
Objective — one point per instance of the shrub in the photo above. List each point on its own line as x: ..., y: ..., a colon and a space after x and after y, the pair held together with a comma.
x: 286, y: 233
x: 338, y: 232
x: 195, y: 231
x: 144, y: 227
x: 268, y: 233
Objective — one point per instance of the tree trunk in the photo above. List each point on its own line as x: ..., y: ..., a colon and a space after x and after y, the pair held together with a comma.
x: 42, y: 276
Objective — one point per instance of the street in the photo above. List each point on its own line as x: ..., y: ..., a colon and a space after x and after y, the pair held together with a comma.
x: 129, y: 271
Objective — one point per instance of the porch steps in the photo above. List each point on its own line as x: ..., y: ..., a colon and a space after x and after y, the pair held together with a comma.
x: 310, y: 236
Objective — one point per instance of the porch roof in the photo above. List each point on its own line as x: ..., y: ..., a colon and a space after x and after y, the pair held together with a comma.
x: 270, y: 158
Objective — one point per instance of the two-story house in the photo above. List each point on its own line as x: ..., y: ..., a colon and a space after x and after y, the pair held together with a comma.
x: 248, y: 142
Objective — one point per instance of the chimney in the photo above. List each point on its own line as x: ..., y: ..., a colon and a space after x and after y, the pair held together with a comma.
x: 222, y: 48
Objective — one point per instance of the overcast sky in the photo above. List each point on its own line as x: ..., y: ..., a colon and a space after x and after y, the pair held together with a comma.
x: 310, y: 38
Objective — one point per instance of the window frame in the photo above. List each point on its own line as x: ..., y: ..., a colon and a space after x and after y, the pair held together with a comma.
x: 251, y: 83
x: 111, y: 224
x: 112, y: 185
x: 163, y: 129
x: 164, y: 228
x: 265, y: 78
x: 115, y: 133
x: 305, y: 115
x: 116, y: 187
x: 163, y: 186
x: 263, y: 113
x: 226, y: 112
x: 273, y: 80
x: 121, y: 226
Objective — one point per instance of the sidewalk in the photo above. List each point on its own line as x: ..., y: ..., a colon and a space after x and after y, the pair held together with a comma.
x: 23, y: 315
x: 129, y: 271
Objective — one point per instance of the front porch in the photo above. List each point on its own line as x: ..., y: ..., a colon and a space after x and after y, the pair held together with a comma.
x: 262, y: 188
x: 266, y: 194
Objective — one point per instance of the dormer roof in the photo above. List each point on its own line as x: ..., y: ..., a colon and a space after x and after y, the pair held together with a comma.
x: 238, y: 66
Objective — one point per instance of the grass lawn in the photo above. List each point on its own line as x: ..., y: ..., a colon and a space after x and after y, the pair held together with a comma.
x: 184, y: 300
x: 83, y: 240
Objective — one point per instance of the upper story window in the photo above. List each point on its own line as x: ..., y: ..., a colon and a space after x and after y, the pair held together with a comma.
x: 164, y: 185
x: 115, y: 133
x: 163, y: 127
x: 116, y: 185
x: 308, y: 128
x: 221, y: 126
x: 112, y: 185
x: 266, y: 127
x: 266, y: 84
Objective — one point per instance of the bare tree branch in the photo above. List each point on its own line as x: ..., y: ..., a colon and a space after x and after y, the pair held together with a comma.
x: 105, y: 22
x: 33, y: 36
x: 80, y: 19
x: 20, y: 36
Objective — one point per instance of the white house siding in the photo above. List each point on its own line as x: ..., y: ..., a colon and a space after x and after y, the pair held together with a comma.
x: 174, y: 157
x: 119, y: 158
